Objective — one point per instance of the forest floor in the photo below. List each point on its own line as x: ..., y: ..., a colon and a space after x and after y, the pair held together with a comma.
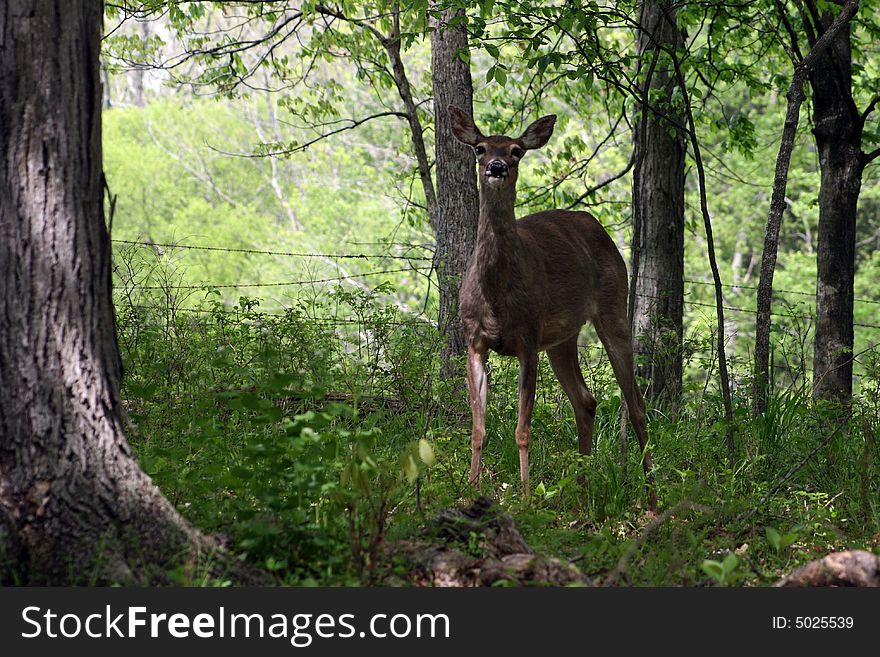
x: 310, y: 450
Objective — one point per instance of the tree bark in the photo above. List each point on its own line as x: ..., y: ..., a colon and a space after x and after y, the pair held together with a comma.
x: 657, y: 290
x: 404, y: 90
x: 795, y: 98
x: 453, y: 205
x: 74, y: 505
x: 458, y: 203
x: 838, y: 132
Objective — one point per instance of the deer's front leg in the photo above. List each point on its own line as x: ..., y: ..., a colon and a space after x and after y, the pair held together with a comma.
x: 478, y: 392
x: 528, y: 373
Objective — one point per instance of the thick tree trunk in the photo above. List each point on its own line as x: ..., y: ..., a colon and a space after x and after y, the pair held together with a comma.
x: 795, y: 97
x: 458, y: 202
x: 74, y: 505
x: 657, y: 293
x: 838, y: 198
x: 838, y: 131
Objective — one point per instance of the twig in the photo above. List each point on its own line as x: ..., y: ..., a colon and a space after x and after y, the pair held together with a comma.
x: 595, y: 188
x: 352, y: 124
x: 620, y: 568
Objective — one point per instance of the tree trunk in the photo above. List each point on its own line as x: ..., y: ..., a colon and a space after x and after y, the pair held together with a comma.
x: 761, y: 388
x: 74, y: 505
x: 657, y: 291
x: 458, y: 203
x: 838, y: 132
x: 795, y: 97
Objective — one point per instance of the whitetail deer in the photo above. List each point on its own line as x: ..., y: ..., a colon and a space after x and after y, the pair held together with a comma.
x: 530, y: 286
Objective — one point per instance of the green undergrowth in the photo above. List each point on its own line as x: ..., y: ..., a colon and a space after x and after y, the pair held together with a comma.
x: 311, y: 444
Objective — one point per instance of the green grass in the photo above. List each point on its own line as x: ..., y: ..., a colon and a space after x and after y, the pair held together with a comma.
x: 297, y: 440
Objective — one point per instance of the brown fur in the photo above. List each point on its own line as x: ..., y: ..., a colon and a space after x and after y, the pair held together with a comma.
x: 530, y: 286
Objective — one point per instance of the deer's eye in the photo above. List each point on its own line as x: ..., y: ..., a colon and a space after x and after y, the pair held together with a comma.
x: 479, y: 150
x: 517, y: 152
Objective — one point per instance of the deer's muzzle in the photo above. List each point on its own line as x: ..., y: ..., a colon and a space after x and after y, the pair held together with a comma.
x: 496, y: 169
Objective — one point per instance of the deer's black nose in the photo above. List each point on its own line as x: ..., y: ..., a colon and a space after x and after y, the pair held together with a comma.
x: 496, y: 168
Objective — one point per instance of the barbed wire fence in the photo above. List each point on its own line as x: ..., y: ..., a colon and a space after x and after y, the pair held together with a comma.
x: 413, y: 255
x: 418, y: 259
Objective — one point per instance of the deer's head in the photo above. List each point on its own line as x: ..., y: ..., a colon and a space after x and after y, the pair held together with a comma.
x: 498, y: 156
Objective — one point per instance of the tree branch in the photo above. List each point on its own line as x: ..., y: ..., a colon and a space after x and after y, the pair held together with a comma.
x: 604, y: 183
x: 335, y: 13
x: 846, y: 13
x: 812, y: 36
x: 794, y: 52
x: 353, y: 123
x: 392, y: 47
x: 870, y: 108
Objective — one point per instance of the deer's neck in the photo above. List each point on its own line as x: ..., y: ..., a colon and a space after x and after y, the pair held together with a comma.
x: 498, y: 246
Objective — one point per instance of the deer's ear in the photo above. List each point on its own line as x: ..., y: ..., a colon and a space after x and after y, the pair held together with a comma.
x: 463, y: 127
x: 538, y: 134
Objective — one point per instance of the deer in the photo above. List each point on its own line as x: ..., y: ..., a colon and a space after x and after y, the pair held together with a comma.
x: 530, y: 286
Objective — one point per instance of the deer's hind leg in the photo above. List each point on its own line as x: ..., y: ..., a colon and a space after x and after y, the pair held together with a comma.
x: 567, y: 368
x: 616, y: 337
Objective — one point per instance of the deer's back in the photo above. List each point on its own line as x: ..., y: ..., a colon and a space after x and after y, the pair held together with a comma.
x: 567, y: 272
x: 582, y: 270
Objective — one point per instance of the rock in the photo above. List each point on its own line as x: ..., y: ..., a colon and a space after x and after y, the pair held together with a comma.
x: 530, y: 570
x: 850, y: 568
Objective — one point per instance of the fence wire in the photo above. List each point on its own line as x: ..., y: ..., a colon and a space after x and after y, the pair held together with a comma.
x: 417, y: 258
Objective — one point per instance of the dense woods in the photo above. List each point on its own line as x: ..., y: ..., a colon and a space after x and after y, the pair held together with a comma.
x: 231, y: 245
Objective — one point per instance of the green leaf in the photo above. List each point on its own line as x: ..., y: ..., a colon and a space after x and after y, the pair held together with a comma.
x: 773, y: 538
x: 542, y: 64
x: 426, y: 453
x: 251, y: 401
x: 463, y: 54
x: 410, y: 468
x: 713, y: 569
x: 730, y: 563
x: 275, y: 564
x: 788, y: 539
